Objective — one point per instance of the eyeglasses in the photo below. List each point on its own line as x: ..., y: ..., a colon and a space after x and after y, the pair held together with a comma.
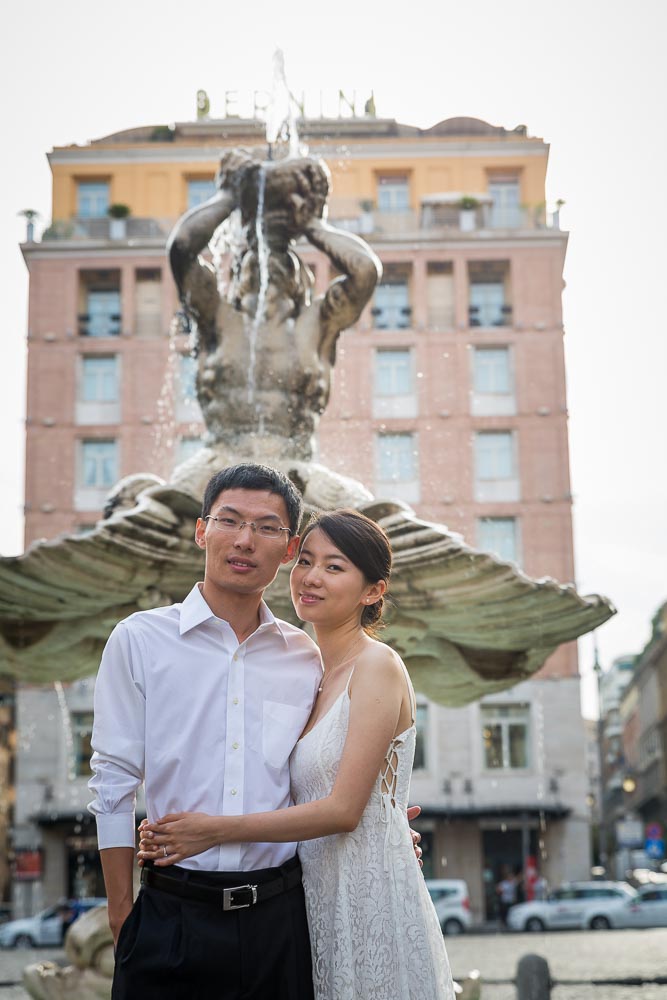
x: 231, y: 524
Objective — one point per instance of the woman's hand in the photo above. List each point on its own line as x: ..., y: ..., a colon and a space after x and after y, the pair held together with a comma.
x: 176, y: 837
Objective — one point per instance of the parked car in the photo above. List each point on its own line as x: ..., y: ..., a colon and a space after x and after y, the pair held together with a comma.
x: 45, y: 928
x: 567, y: 906
x: 647, y: 909
x: 452, y: 904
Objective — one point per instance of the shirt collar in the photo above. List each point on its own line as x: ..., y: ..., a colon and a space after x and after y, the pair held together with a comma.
x: 195, y: 610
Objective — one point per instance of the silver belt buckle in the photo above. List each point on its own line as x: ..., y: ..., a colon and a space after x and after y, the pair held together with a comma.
x: 228, y: 904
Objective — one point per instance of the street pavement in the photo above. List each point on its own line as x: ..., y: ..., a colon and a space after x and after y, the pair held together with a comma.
x: 574, y: 956
x: 578, y: 956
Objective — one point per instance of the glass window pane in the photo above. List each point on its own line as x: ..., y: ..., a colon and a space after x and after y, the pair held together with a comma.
x: 99, y: 380
x: 517, y: 745
x: 505, y: 730
x: 188, y: 446
x: 393, y: 194
x: 396, y: 458
x: 487, y: 302
x: 82, y: 731
x: 492, y: 370
x: 392, y: 306
x: 103, y: 309
x: 420, y: 744
x: 187, y: 377
x: 99, y: 463
x: 393, y: 373
x: 493, y: 745
x: 505, y: 211
x: 499, y: 536
x: 92, y: 199
x: 494, y: 455
x: 200, y: 191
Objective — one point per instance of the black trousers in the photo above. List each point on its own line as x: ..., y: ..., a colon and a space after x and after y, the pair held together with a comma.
x: 179, y: 949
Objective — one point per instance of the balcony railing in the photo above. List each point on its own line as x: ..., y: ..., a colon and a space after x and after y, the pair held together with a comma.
x: 101, y: 229
x: 501, y: 316
x: 98, y: 325
x: 434, y: 218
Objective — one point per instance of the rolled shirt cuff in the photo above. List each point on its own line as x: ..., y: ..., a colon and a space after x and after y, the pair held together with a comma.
x: 116, y: 830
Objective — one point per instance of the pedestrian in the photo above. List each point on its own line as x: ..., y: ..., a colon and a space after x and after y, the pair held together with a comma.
x: 204, y: 702
x: 374, y: 930
x: 507, y: 892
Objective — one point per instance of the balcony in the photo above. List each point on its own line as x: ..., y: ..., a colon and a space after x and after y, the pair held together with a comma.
x: 100, y: 230
x: 440, y: 214
x: 489, y: 315
x: 98, y: 325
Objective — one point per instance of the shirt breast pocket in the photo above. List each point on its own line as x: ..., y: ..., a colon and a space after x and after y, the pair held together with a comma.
x: 281, y: 727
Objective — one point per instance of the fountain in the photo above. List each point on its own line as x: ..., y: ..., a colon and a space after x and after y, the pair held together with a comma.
x: 266, y: 347
x: 466, y: 623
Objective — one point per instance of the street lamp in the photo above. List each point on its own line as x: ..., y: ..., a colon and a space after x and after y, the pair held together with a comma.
x: 602, y: 827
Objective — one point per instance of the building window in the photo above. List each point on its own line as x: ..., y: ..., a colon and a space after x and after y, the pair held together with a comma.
x: 492, y: 382
x: 187, y: 378
x: 82, y: 731
x: 99, y: 379
x: 391, y: 310
x: 499, y: 535
x: 494, y: 455
x: 394, y: 388
x: 421, y: 723
x: 396, y: 458
x: 397, y: 466
x: 393, y: 373
x: 393, y: 194
x: 92, y: 199
x: 506, y: 203
x: 496, y: 476
x: 505, y: 733
x: 99, y: 303
x: 99, y: 464
x: 488, y: 285
x: 199, y: 191
x: 187, y: 447
x: 492, y: 373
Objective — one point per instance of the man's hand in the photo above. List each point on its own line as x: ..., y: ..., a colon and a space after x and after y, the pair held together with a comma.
x: 178, y: 836
x: 413, y: 812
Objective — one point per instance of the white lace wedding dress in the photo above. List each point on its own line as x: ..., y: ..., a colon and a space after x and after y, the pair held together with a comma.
x: 374, y: 932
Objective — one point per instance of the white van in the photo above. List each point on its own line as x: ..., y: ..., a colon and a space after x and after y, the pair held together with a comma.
x: 452, y: 904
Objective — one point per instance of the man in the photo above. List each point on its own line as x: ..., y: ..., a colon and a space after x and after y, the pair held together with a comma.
x: 204, y: 702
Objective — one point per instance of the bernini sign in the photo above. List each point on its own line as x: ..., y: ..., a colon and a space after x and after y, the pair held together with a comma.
x: 320, y: 104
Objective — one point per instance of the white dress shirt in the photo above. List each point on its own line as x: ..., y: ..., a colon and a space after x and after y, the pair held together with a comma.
x: 207, y: 724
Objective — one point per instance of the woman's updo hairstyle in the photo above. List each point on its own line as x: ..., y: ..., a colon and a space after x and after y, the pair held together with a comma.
x: 366, y: 545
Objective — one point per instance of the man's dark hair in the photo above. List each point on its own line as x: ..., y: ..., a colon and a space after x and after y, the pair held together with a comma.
x: 249, y: 476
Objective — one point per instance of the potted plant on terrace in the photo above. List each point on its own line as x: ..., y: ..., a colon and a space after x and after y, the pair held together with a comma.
x: 467, y: 213
x: 366, y: 221
x: 118, y: 214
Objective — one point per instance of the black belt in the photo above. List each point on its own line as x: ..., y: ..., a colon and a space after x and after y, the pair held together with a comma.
x: 238, y: 897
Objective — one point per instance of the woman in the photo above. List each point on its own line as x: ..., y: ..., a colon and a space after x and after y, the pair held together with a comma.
x: 374, y: 932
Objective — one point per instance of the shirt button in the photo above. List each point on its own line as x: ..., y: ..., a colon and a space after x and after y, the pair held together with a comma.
x: 233, y: 791
x: 235, y: 746
x: 235, y: 702
x: 235, y: 657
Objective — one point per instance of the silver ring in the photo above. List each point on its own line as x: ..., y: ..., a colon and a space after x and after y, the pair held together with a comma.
x: 165, y: 852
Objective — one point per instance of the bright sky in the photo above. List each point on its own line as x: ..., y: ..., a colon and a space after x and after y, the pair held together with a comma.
x: 587, y: 75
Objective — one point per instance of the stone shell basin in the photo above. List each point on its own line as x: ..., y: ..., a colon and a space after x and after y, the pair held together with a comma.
x: 466, y: 623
